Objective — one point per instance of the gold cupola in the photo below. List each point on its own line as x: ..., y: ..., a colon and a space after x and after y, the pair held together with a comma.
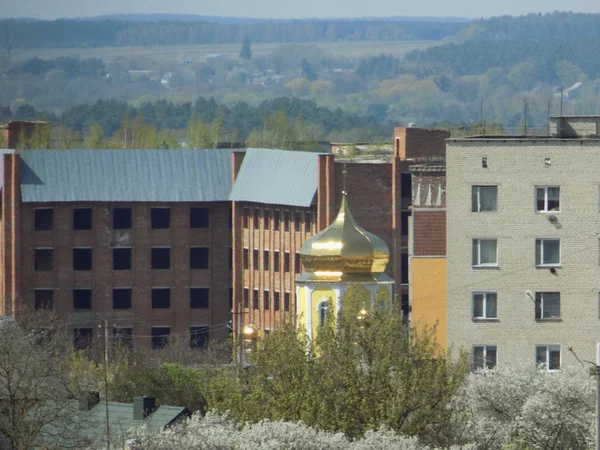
x: 344, y: 251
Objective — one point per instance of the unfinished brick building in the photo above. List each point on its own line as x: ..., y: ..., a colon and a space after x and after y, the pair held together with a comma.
x: 136, y: 239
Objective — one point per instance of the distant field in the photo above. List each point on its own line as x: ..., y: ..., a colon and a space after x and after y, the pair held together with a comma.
x: 180, y: 53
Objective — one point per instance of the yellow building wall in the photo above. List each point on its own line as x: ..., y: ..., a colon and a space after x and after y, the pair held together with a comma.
x: 301, y: 313
x: 429, y: 294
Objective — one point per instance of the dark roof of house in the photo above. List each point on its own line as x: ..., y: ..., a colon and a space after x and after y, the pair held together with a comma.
x: 125, y: 175
x: 277, y: 177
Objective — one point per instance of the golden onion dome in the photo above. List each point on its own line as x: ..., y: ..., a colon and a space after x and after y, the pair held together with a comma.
x: 344, y: 248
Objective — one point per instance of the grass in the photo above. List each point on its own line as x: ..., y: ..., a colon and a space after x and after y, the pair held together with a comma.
x: 180, y: 53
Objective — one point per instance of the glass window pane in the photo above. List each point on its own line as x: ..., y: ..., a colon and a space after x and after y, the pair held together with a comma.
x: 540, y: 199
x: 475, y: 252
x: 491, y: 309
x: 490, y: 357
x: 551, y: 305
x: 540, y: 354
x: 474, y: 198
x: 554, y: 358
x: 551, y: 251
x: 488, y: 251
x: 487, y: 198
x: 538, y: 252
x: 478, y: 305
x: 553, y: 198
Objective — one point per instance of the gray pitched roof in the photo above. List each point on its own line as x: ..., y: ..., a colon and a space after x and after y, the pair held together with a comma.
x: 125, y: 175
x: 279, y: 177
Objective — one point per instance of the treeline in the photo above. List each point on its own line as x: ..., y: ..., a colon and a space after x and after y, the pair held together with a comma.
x: 94, y: 33
x: 282, y: 123
x: 71, y: 67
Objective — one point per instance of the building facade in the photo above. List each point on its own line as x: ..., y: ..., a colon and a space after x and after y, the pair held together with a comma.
x: 523, y: 227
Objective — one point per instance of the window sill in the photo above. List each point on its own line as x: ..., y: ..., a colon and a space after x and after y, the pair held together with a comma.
x: 547, y: 212
x: 548, y: 266
x: 496, y: 266
x: 550, y: 319
x: 486, y: 211
x: 485, y: 319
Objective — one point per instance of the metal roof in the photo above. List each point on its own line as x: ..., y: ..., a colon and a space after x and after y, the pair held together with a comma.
x: 125, y: 175
x: 277, y: 177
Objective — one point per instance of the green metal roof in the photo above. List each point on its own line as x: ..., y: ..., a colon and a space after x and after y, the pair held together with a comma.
x: 125, y: 175
x: 278, y: 177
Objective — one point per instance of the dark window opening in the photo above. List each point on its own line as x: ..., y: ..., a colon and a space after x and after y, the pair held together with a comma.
x: 198, y: 257
x: 245, y: 258
x: 122, y: 219
x: 160, y: 337
x: 297, y: 263
x: 160, y: 258
x: 43, y: 259
x: 122, y: 298
x: 230, y: 219
x: 276, y: 262
x: 44, y: 299
x: 121, y: 259
x: 230, y: 299
x: 199, y: 297
x: 266, y: 260
x: 404, y: 306
x: 43, y: 219
x: 245, y: 214
x: 286, y: 221
x: 123, y: 337
x: 230, y: 258
x: 276, y: 220
x: 199, y: 218
x: 267, y: 219
x: 82, y: 218
x: 82, y: 259
x: 307, y: 222
x: 276, y: 301
x: 255, y: 259
x: 406, y: 185
x: 199, y: 337
x: 255, y: 218
x: 286, y: 262
x: 82, y: 338
x: 266, y: 301
x: 297, y: 221
x: 286, y: 301
x: 246, y: 298
x: 161, y: 298
x: 255, y: 299
x: 160, y: 218
x: 404, y: 268
x: 404, y: 215
x: 82, y: 299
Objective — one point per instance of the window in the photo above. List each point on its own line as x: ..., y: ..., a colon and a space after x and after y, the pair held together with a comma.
x: 404, y: 268
x: 286, y: 221
x: 307, y: 222
x: 160, y: 218
x: 122, y: 218
x: 548, y: 356
x: 82, y: 299
x: 82, y: 338
x: 43, y: 219
x: 82, y: 218
x: 266, y: 260
x: 245, y: 258
x: 266, y: 301
x: 276, y: 220
x: 267, y: 219
x: 404, y: 215
x: 547, y: 252
x: 199, y: 297
x: 255, y: 299
x: 199, y: 337
x: 547, y: 305
x: 484, y: 357
x: 485, y: 305
x: 44, y: 299
x: 82, y: 259
x: 255, y: 259
x: 276, y: 301
x: 406, y: 185
x: 286, y: 262
x: 245, y: 214
x: 276, y: 261
x: 161, y: 298
x: 43, y: 259
x: 160, y: 258
x: 297, y: 265
x: 199, y: 218
x: 485, y: 252
x: 286, y: 301
x: 484, y: 198
x: 322, y: 310
x: 198, y: 257
x: 123, y: 337
x: 121, y: 258
x: 246, y: 298
x: 122, y: 298
x: 255, y: 217
x: 160, y: 337
x: 297, y: 221
x: 547, y: 198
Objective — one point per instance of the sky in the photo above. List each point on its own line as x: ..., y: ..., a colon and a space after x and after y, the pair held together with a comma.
x: 52, y: 9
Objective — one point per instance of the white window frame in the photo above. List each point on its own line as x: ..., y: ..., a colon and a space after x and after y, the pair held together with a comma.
x: 545, y: 209
x: 476, y: 262
x: 483, y: 364
x: 549, y: 348
x: 476, y: 192
x: 540, y: 295
x: 484, y: 305
x: 539, y: 252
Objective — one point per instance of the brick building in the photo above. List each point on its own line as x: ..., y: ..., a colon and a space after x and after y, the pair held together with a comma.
x: 137, y: 238
x: 523, y: 226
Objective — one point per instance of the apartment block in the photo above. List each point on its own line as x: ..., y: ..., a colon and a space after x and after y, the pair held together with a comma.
x: 523, y: 245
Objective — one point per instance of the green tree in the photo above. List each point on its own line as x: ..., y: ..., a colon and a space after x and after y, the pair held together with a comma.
x: 96, y: 137
x: 246, y: 51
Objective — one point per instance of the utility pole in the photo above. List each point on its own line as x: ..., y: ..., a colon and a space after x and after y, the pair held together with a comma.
x: 481, y: 117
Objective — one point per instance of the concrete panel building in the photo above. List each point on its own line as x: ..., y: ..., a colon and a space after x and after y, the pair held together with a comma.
x: 523, y: 229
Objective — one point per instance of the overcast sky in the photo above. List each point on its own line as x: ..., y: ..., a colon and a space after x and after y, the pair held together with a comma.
x: 52, y: 9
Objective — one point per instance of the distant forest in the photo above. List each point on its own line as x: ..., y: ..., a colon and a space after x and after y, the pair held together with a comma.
x: 102, y: 33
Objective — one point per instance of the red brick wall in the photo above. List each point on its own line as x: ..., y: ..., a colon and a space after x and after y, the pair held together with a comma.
x: 429, y: 237
x: 102, y: 279
x: 414, y: 143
